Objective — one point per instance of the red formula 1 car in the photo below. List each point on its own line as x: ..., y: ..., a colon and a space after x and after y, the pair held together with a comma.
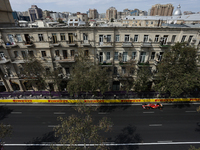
x: 153, y: 106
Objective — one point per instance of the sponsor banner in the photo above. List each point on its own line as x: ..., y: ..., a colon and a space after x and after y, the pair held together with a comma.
x: 162, y: 100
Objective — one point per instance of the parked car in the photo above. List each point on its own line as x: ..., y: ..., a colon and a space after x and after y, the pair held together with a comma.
x: 153, y: 106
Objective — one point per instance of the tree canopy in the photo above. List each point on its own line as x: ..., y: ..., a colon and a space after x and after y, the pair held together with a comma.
x: 81, y: 129
x: 87, y: 76
x: 5, y: 130
x: 178, y: 71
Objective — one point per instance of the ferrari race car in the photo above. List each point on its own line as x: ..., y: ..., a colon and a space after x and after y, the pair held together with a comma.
x: 153, y: 106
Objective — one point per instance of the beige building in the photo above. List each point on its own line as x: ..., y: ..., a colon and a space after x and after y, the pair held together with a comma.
x: 110, y: 47
x: 6, y: 17
x: 111, y: 13
x: 162, y: 10
x: 93, y: 14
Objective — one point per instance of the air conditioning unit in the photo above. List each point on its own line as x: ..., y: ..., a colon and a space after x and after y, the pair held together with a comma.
x: 105, y: 36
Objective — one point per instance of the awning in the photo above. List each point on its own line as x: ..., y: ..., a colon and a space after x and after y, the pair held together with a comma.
x: 4, y: 61
x: 18, y: 62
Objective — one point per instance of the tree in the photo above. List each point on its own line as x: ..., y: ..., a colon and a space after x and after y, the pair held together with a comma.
x: 127, y: 77
x: 34, y: 73
x: 5, y: 130
x: 112, y: 20
x: 193, y: 148
x: 81, y: 129
x: 143, y: 79
x: 178, y: 72
x: 87, y: 76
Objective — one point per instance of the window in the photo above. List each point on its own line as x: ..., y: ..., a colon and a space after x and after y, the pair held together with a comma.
x: 190, y: 38
x: 72, y: 53
x: 153, y: 55
x: 65, y: 54
x: 47, y: 70
x: 165, y: 37
x: 123, y: 70
x: 115, y: 70
x: 108, y: 38
x: 125, y: 56
x: 101, y: 57
x: 116, y: 55
x: 54, y: 38
x: 156, y: 38
x: 57, y: 52
x: 67, y: 71
x: 19, y: 37
x: 136, y: 38
x: 151, y: 22
x: 160, y: 56
x: 126, y: 39
x: 146, y: 38
x: 133, y: 55
x: 43, y: 53
x: 16, y: 54
x: 40, y: 36
x: 183, y: 38
x: 23, y: 54
x: 117, y: 38
x: 2, y: 56
x: 173, y: 38
x: 142, y: 57
x: 100, y: 38
x: 62, y: 36
x: 108, y: 56
x: 30, y: 53
x: 147, y: 22
x: 11, y: 39
x: 86, y: 53
x: 85, y: 37
x: 71, y: 38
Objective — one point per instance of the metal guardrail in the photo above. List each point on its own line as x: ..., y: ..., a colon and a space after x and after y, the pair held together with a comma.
x: 84, y: 95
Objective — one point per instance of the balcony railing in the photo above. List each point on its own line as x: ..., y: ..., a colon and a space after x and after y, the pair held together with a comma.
x: 62, y: 59
x: 72, y: 43
x: 146, y: 44
x: 127, y: 44
x: 105, y: 44
x: 85, y: 43
x: 10, y: 45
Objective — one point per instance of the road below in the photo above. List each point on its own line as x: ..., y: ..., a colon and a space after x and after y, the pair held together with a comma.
x: 131, y: 124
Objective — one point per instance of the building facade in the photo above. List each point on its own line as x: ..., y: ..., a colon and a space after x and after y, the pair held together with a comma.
x: 35, y: 13
x: 6, y: 17
x: 111, y: 13
x: 93, y: 14
x: 162, y: 10
x: 110, y: 47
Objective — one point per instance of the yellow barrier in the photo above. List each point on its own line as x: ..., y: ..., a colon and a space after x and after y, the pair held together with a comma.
x: 99, y: 100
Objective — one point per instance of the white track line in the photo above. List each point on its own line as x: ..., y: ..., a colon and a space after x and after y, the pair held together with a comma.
x: 59, y: 113
x: 16, y: 112
x: 190, y: 111
x: 155, y: 125
x: 148, y: 112
x: 108, y: 144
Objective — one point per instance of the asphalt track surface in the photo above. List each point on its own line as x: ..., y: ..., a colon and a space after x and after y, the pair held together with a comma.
x: 173, y: 128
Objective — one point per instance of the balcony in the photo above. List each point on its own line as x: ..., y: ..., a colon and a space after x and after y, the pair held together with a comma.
x: 61, y: 59
x: 85, y: 43
x: 10, y: 45
x: 146, y: 44
x: 51, y: 44
x: 106, y: 63
x: 105, y: 44
x: 127, y: 44
x: 71, y: 43
x: 28, y: 43
x: 4, y: 60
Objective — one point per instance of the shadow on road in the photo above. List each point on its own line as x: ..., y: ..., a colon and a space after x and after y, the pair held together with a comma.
x: 182, y: 105
x: 45, y: 139
x: 4, y: 111
x: 128, y: 135
x: 112, y: 108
